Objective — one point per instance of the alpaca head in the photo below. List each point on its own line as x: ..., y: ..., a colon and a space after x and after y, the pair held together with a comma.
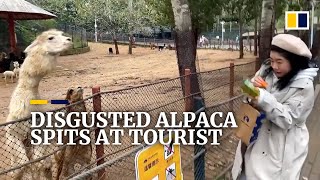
x: 74, y: 95
x: 15, y: 64
x: 42, y: 54
x: 51, y: 42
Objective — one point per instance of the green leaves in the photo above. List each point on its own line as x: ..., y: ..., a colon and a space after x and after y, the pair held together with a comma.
x: 115, y: 16
x: 249, y: 10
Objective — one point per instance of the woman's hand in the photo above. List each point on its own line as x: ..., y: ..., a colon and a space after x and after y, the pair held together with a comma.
x: 253, y: 101
x: 257, y: 81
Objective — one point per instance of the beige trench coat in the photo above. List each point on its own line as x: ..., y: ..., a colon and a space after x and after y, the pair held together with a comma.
x: 282, y: 144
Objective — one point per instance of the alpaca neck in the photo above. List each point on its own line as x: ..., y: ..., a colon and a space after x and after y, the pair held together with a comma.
x: 35, y: 67
x: 28, y: 82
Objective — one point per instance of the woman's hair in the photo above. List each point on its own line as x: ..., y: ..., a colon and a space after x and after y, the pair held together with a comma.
x: 297, y: 63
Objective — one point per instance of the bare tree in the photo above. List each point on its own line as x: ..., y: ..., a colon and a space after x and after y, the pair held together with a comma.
x: 123, y: 17
x: 241, y: 30
x: 257, y: 9
x: 266, y: 29
x: 185, y: 40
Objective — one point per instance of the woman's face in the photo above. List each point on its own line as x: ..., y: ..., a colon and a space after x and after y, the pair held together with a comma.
x: 280, y: 65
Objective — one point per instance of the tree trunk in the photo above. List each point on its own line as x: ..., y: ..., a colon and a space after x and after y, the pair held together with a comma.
x: 287, y: 9
x: 259, y: 26
x: 273, y: 24
x: 115, y: 41
x: 116, y: 44
x: 186, y: 43
x: 255, y: 36
x: 266, y: 29
x: 305, y: 35
x: 240, y: 36
x: 316, y: 43
x: 130, y: 43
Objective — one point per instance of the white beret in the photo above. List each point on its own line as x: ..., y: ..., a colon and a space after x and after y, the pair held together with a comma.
x: 292, y: 44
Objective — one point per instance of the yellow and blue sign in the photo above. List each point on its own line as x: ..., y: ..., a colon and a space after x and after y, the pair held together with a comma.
x: 297, y: 20
x: 159, y: 162
x: 42, y: 101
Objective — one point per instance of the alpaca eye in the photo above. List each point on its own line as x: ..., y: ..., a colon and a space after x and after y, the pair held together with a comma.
x: 50, y: 38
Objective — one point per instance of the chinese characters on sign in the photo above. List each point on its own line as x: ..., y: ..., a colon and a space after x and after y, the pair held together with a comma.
x: 159, y: 162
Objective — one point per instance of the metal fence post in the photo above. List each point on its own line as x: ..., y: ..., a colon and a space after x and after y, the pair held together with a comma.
x: 81, y: 38
x: 231, y: 93
x: 86, y: 37
x: 199, y: 163
x: 99, y: 148
x: 232, y: 42
x: 258, y: 64
x: 72, y: 38
x: 194, y: 104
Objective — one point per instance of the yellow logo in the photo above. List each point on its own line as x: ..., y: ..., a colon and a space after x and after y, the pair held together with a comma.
x: 297, y: 20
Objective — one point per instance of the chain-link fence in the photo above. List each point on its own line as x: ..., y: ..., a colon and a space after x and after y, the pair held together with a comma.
x: 219, y: 89
x: 213, y: 42
x: 78, y: 35
x: 124, y: 39
x: 25, y: 35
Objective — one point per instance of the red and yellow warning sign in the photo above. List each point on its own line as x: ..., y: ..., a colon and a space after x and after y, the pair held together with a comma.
x: 159, y: 162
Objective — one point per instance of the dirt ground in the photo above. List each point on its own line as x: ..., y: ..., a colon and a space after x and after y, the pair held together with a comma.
x: 111, y: 72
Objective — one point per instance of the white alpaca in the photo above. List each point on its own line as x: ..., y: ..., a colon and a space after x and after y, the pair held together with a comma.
x: 41, y: 60
x: 8, y: 74
x: 16, y: 69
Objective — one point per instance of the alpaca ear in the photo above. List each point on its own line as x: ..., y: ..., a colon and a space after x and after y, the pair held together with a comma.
x: 68, y: 97
x: 33, y: 44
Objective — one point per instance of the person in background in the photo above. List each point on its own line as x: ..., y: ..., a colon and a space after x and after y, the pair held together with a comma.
x: 201, y: 40
x: 282, y: 143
